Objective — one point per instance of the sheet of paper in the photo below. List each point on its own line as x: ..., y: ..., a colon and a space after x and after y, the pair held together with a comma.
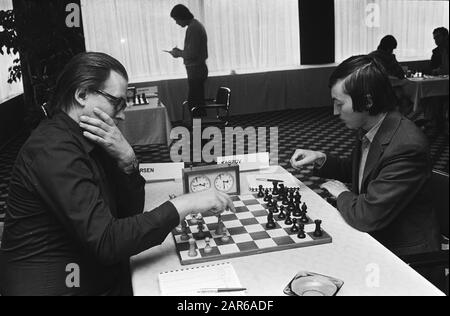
x: 190, y: 281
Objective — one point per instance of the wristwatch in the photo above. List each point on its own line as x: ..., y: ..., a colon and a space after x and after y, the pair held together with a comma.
x: 132, y: 167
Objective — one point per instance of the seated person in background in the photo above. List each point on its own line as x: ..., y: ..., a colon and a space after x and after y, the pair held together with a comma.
x: 389, y: 169
x: 76, y: 195
x: 386, y: 57
x: 439, y: 60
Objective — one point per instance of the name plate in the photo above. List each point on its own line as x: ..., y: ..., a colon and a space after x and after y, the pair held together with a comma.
x: 247, y: 162
x: 153, y: 172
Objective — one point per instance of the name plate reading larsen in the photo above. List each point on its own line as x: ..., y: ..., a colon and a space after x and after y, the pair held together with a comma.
x: 247, y: 162
x: 161, y: 171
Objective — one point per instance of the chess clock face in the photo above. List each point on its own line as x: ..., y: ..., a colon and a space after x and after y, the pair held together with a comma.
x: 224, y: 182
x: 199, y: 184
x: 222, y: 178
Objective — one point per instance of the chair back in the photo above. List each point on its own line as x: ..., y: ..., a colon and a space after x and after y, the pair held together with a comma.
x: 223, y: 96
x: 439, y: 185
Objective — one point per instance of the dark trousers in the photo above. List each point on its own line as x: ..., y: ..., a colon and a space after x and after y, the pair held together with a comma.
x: 197, y: 76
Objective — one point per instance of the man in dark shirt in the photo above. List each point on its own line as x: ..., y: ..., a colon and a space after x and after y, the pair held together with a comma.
x: 74, y: 214
x: 385, y: 55
x: 194, y: 54
x: 439, y: 60
x: 390, y: 167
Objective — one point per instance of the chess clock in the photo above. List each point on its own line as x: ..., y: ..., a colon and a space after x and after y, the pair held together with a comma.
x: 222, y: 178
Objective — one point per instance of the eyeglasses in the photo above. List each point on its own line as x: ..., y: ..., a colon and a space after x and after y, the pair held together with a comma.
x: 119, y: 103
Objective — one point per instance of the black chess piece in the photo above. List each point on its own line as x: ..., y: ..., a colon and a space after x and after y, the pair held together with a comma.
x: 304, y: 219
x: 275, y: 207
x: 261, y: 192
x: 281, y: 192
x: 297, y: 212
x: 318, y: 232
x: 201, y: 234
x: 288, y: 220
x: 282, y: 215
x: 275, y: 190
x: 266, y: 195
x: 294, y: 228
x: 285, y: 198
x: 270, y: 202
x: 270, y: 221
x: 301, y: 232
x: 304, y: 208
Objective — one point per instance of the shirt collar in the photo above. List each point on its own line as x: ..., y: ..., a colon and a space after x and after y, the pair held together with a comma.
x: 75, y: 130
x: 370, y: 135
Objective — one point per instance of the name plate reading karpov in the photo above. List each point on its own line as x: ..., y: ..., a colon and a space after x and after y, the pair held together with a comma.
x: 247, y: 162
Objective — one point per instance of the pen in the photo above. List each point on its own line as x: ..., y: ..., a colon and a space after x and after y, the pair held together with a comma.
x: 270, y: 180
x: 220, y: 290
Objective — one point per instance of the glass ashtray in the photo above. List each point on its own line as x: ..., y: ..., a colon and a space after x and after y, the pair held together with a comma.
x: 313, y: 284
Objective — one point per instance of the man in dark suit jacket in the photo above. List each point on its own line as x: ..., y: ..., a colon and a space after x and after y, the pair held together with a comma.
x: 390, y: 166
x: 439, y: 60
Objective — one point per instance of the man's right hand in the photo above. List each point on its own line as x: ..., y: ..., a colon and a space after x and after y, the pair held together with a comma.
x: 209, y: 202
x: 302, y: 158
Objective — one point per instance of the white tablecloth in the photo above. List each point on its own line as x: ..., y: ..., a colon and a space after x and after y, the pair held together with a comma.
x: 417, y: 89
x: 146, y: 124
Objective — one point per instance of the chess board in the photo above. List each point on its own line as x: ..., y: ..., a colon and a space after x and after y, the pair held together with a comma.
x: 248, y: 234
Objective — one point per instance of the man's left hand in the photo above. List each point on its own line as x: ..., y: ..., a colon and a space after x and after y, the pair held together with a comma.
x: 104, y: 132
x: 335, y: 188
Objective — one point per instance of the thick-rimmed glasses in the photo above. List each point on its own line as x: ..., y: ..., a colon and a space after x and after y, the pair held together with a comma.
x: 119, y: 104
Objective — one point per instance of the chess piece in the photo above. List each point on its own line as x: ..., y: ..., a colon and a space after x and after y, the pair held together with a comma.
x: 304, y: 208
x: 184, y: 234
x: 270, y: 202
x: 192, y: 248
x: 225, y: 238
x: 297, y: 212
x: 288, y: 220
x: 201, y: 234
x: 194, y: 219
x: 275, y: 190
x: 208, y: 247
x: 261, y: 192
x: 270, y: 222
x: 275, y: 207
x: 266, y: 196
x: 294, y: 228
x: 220, y: 226
x: 144, y: 99
x: 281, y: 192
x: 301, y: 232
x: 318, y: 232
x: 304, y: 219
x: 282, y: 215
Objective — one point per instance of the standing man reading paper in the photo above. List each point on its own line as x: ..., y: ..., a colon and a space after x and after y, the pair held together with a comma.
x: 194, y: 54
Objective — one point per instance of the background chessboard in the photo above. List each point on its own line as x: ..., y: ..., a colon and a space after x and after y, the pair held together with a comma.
x: 248, y: 233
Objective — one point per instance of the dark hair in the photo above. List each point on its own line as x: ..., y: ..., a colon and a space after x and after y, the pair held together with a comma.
x: 388, y: 43
x: 365, y: 77
x: 441, y: 31
x: 180, y: 12
x: 84, y: 71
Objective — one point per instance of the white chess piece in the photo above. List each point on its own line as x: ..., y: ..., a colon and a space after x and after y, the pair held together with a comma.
x: 208, y: 248
x: 192, y: 250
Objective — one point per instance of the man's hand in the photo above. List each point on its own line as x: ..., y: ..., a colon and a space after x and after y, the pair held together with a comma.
x: 302, y: 158
x: 177, y: 53
x: 104, y: 132
x: 209, y: 202
x: 335, y: 188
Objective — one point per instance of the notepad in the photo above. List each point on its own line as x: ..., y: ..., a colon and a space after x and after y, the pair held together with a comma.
x: 189, y: 281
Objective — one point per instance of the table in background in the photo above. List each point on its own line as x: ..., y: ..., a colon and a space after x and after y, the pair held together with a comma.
x: 146, y: 124
x: 353, y: 257
x: 417, y: 89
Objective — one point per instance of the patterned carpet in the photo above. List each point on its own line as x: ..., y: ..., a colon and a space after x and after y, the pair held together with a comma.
x: 314, y: 129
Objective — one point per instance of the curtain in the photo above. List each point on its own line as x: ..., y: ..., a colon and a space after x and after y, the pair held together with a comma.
x: 7, y: 90
x: 361, y: 24
x: 242, y: 34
